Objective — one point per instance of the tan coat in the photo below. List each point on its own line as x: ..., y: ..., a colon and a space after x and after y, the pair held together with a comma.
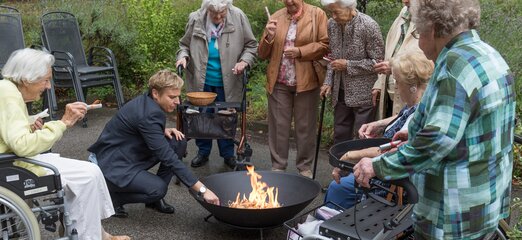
x: 409, y: 44
x: 237, y: 42
x: 273, y: 51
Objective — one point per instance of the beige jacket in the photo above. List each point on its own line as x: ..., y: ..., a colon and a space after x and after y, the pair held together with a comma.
x: 409, y: 44
x: 273, y: 51
x: 237, y: 42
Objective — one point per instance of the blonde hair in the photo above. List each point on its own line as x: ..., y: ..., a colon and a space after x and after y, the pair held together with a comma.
x: 446, y: 16
x: 412, y: 68
x: 165, y: 79
x: 27, y: 65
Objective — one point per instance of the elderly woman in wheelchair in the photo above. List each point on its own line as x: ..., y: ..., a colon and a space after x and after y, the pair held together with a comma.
x: 27, y: 74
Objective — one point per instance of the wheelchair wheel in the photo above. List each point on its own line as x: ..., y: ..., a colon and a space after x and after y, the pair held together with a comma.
x: 16, y: 218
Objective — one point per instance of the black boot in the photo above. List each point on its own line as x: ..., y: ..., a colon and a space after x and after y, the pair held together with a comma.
x: 199, y: 161
x: 161, y: 206
x: 230, y: 162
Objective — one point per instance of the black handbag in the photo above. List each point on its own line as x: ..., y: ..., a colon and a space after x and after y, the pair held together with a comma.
x: 210, y: 125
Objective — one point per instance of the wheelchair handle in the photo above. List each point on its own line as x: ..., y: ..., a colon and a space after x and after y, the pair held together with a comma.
x: 180, y: 70
x: 245, y: 75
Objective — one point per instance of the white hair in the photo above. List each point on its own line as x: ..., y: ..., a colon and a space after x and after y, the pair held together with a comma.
x: 351, y: 4
x: 216, y: 5
x: 28, y: 65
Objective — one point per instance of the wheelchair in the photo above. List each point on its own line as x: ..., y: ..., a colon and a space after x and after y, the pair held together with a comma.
x: 26, y: 200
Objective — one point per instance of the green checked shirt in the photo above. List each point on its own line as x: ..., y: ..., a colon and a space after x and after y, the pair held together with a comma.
x: 459, y: 154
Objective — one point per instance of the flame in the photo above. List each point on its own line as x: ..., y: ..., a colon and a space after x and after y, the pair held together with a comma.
x: 262, y: 195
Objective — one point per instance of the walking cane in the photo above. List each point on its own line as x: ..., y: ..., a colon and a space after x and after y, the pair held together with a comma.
x: 319, y: 130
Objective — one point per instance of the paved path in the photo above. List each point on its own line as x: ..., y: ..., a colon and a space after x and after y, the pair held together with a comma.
x: 187, y: 222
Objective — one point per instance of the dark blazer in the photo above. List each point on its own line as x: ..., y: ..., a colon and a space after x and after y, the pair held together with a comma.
x: 134, y: 140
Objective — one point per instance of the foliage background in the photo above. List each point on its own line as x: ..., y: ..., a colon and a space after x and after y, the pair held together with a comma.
x: 144, y: 33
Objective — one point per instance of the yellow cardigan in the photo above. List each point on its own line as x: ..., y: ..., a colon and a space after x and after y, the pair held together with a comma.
x: 15, y: 130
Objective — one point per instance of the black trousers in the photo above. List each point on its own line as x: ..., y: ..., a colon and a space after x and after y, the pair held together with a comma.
x: 147, y: 187
x: 348, y: 120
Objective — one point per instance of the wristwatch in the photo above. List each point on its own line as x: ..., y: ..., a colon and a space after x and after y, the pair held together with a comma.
x: 202, y: 190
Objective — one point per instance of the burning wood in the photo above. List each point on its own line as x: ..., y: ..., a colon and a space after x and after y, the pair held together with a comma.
x: 262, y: 196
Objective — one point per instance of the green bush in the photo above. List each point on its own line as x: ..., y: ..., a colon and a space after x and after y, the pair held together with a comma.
x: 144, y: 35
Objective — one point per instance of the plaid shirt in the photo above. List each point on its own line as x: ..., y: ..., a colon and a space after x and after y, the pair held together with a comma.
x: 459, y: 154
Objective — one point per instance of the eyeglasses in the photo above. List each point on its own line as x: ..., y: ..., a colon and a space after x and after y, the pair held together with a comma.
x: 415, y: 34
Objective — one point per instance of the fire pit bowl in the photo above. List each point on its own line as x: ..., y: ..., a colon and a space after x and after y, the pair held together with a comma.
x: 295, y: 193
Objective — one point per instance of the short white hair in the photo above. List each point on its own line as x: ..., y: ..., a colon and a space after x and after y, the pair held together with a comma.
x: 351, y: 4
x: 28, y: 65
x: 216, y: 5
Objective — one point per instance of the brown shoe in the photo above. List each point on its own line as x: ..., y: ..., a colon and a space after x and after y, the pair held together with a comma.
x: 306, y: 173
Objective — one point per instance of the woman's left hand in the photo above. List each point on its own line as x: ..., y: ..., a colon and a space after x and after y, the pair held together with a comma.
x: 363, y: 172
x: 169, y: 132
x: 37, y: 125
x: 239, y: 67
x: 339, y: 64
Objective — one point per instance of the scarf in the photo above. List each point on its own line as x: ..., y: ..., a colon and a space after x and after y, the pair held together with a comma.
x: 214, y: 31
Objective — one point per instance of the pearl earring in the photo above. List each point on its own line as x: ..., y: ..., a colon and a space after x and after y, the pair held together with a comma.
x: 413, y: 89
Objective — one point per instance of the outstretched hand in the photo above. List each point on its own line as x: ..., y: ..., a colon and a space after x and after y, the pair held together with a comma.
x: 74, y: 112
x: 210, y: 197
x: 170, y: 132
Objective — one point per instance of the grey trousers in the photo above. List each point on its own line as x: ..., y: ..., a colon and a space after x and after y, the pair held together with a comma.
x: 348, y: 120
x: 283, y: 105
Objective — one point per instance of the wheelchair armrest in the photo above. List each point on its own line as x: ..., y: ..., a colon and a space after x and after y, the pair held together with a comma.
x: 12, y: 157
x: 8, y: 156
x: 101, y: 55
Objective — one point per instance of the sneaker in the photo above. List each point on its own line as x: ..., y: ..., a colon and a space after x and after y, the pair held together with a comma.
x: 306, y: 173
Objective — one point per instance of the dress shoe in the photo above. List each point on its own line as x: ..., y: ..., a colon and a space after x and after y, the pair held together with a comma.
x: 230, y: 162
x: 119, y: 212
x: 199, y: 161
x: 161, y: 206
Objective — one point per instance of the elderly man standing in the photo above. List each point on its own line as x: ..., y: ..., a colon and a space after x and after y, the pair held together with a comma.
x: 459, y: 152
x: 400, y: 38
x: 217, y: 46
